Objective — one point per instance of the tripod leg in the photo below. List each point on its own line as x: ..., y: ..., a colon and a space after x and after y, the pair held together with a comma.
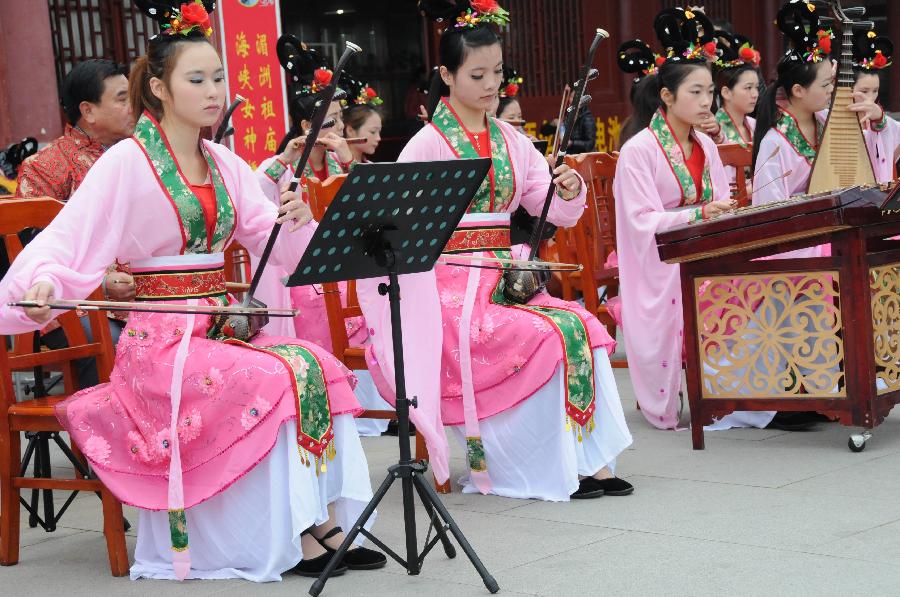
x: 439, y: 529
x: 409, y: 522
x: 336, y: 558
x: 435, y: 501
x: 49, y: 513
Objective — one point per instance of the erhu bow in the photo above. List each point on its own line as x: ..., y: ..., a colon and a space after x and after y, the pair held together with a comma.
x: 521, y: 285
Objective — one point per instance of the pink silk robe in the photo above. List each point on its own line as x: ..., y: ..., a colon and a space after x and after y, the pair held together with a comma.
x: 233, y: 399
x: 882, y: 146
x: 512, y: 354
x: 647, y: 202
x: 770, y: 184
x: 311, y: 324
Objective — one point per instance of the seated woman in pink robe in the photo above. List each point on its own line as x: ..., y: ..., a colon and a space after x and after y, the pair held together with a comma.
x: 736, y: 75
x: 239, y: 454
x: 527, y: 389
x: 872, y: 54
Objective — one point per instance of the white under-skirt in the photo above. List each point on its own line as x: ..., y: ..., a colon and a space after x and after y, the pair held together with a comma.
x: 369, y: 398
x: 530, y: 454
x: 252, y: 529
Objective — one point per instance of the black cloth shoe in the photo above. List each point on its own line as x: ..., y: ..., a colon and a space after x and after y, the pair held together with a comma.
x: 794, y: 421
x: 315, y: 566
x: 357, y: 558
x: 588, y: 488
x: 615, y: 486
x: 393, y: 428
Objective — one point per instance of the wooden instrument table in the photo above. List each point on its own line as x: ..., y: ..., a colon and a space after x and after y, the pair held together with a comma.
x: 792, y: 334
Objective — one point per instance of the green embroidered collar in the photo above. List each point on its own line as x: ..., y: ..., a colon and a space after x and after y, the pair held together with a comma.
x: 152, y: 140
x: 730, y: 128
x: 674, y: 153
x: 497, y: 191
x: 789, y: 128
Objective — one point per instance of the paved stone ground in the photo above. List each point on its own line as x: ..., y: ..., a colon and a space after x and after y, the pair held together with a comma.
x: 757, y: 513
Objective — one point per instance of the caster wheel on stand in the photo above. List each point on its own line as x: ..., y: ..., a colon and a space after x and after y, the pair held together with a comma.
x: 857, y: 441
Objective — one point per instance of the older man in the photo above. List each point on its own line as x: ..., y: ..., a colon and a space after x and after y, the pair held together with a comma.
x: 95, y: 99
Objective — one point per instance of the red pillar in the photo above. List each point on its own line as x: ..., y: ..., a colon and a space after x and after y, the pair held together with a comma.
x: 29, y: 99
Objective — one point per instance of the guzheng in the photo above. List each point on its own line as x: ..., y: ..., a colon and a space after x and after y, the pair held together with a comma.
x: 758, y: 226
x: 768, y: 330
x: 842, y: 159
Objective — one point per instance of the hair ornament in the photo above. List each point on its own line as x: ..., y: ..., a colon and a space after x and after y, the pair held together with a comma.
x: 512, y: 81
x: 871, y: 52
x: 185, y: 19
x: 736, y: 50
x: 466, y: 14
x: 798, y: 20
x: 686, y: 35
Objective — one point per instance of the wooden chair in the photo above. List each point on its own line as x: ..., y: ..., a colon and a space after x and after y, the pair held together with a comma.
x: 37, y: 415
x: 321, y: 193
x: 739, y: 158
x: 591, y: 241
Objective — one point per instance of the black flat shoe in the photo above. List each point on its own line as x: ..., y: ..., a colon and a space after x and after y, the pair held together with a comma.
x: 357, y: 558
x: 315, y: 566
x: 794, y: 421
x: 588, y: 488
x: 615, y: 486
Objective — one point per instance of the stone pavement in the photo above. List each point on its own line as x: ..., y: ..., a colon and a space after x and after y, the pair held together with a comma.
x: 757, y: 513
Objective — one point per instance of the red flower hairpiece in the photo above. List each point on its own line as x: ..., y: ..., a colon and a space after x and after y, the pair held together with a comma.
x: 190, y: 17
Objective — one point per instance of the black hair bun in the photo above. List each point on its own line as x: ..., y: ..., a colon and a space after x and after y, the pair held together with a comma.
x: 799, y: 24
x: 635, y: 56
x: 680, y: 30
x: 439, y: 10
x: 871, y: 52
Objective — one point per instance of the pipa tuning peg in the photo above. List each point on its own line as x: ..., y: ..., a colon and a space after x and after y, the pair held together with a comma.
x: 328, y: 123
x: 339, y: 95
x: 228, y: 132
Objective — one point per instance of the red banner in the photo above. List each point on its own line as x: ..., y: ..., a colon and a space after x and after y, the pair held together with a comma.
x: 249, y: 30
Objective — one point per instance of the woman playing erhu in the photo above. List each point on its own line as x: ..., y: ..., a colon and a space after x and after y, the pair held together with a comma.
x: 240, y: 454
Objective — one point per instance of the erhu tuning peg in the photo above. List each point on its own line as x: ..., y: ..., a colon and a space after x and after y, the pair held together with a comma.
x: 585, y: 100
x: 855, y: 12
x: 863, y: 25
x: 328, y: 123
x: 339, y: 95
x: 593, y: 74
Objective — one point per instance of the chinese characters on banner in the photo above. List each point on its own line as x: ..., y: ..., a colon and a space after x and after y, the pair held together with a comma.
x: 249, y: 31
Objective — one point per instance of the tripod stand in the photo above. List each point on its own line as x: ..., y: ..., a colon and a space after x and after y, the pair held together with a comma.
x: 396, y: 219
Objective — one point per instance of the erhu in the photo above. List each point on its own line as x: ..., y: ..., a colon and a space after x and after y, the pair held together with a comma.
x: 520, y: 285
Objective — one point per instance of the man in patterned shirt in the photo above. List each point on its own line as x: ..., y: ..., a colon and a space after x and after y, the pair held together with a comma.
x: 95, y: 99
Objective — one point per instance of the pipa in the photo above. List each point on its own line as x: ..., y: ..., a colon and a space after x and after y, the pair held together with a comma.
x: 842, y: 159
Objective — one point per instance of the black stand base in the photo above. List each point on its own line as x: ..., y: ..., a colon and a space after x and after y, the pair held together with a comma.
x: 411, y: 475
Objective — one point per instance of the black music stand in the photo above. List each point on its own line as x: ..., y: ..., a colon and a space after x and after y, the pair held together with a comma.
x: 393, y: 219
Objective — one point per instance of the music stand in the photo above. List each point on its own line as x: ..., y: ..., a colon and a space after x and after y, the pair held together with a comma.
x: 393, y: 219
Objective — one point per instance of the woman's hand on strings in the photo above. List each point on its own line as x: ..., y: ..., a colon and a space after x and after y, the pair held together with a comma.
x: 334, y: 142
x: 293, y: 208
x: 715, y: 209
x: 867, y: 110
x: 42, y: 293
x: 568, y: 183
